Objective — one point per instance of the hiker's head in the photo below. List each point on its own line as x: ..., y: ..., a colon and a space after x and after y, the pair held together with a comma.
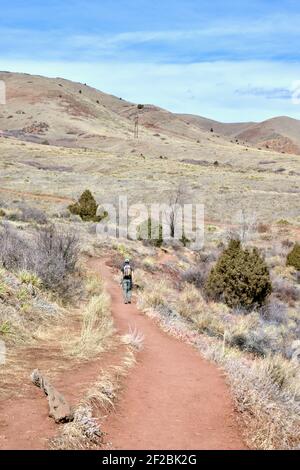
x: 127, y: 261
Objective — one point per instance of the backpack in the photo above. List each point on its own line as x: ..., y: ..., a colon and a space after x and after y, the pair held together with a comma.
x: 127, y: 271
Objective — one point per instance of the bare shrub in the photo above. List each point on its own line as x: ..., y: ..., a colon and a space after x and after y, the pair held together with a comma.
x: 31, y: 214
x: 196, y: 276
x: 15, y: 248
x: 287, y: 243
x: 275, y: 312
x: 49, y: 253
x: 57, y: 255
x: 285, y: 291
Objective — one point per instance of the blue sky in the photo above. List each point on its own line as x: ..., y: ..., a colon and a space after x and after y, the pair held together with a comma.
x: 228, y: 60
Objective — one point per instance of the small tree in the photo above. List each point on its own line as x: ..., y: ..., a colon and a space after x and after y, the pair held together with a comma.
x: 293, y: 258
x: 86, y: 207
x: 240, y: 277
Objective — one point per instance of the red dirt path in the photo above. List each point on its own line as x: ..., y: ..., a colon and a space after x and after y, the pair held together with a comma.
x: 172, y: 399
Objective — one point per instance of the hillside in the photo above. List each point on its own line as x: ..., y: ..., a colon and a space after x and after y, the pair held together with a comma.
x: 63, y: 113
x: 222, y: 361
x: 91, y: 145
x: 281, y: 134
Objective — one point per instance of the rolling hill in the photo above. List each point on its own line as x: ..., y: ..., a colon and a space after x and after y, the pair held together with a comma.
x: 63, y: 113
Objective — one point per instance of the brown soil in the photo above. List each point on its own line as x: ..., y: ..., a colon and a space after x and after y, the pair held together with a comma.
x: 172, y: 399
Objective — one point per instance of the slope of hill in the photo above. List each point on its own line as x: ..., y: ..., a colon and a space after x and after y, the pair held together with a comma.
x: 61, y: 112
x: 64, y: 113
x: 281, y: 134
x: 58, y: 111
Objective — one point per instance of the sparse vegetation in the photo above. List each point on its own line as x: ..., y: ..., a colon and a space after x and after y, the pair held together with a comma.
x: 222, y: 304
x: 49, y: 254
x: 22, y: 212
x: 97, y: 329
x: 256, y: 343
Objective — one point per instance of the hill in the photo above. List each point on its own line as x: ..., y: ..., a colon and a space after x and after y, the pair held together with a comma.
x: 281, y: 134
x: 59, y: 112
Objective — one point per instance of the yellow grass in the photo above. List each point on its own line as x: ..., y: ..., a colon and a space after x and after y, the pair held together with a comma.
x: 97, y: 329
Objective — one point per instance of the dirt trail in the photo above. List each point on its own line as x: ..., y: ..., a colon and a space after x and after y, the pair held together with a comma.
x: 24, y: 420
x: 173, y: 399
x: 43, y: 197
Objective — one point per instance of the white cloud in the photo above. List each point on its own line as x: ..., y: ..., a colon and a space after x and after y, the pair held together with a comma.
x: 295, y: 90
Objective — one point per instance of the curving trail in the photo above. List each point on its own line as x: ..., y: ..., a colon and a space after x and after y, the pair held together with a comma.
x: 172, y: 399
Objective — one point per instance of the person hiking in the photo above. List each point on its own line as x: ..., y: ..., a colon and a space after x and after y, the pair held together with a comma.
x: 126, y: 282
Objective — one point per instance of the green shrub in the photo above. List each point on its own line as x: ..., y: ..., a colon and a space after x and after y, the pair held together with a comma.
x: 239, y: 278
x: 293, y: 258
x: 147, y: 229
x: 86, y: 208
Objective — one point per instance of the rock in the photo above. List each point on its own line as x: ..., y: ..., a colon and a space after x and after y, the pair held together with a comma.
x: 59, y: 409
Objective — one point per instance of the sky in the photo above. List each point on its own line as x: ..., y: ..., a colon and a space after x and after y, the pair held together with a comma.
x: 223, y: 59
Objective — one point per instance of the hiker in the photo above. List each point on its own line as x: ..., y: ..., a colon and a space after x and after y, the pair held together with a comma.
x: 127, y: 281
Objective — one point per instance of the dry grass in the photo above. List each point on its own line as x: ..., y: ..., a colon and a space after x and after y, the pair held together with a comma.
x: 271, y: 414
x: 154, y: 294
x: 97, y: 329
x: 190, y: 302
x: 94, y: 284
x: 25, y: 309
x: 85, y: 431
x: 236, y: 179
x: 134, y: 338
x: 264, y: 383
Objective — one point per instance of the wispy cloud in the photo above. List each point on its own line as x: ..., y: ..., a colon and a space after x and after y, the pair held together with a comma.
x: 214, y: 40
x: 268, y: 93
x: 238, y: 64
